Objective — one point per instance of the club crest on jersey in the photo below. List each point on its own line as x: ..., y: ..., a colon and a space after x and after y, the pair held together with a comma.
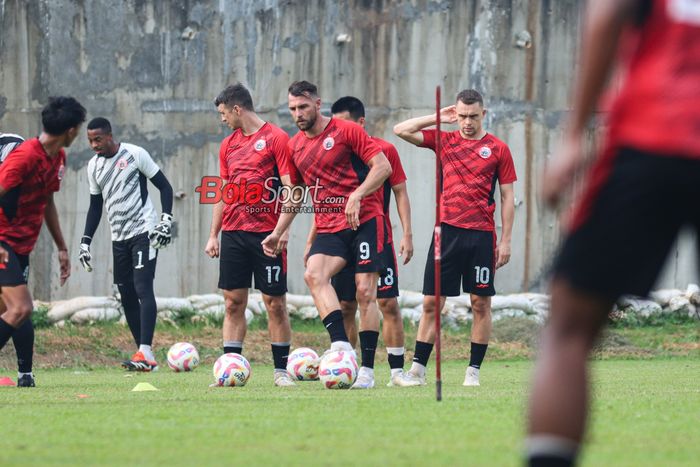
x: 328, y: 143
x: 121, y: 165
x: 485, y: 152
x: 259, y: 145
x: 61, y: 171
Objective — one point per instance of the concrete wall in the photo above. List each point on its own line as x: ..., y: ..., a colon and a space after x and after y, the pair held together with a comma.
x: 153, y: 68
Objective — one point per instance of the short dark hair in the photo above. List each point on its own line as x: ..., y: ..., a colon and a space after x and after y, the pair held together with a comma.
x: 351, y: 105
x: 100, y: 123
x: 61, y: 114
x: 470, y: 96
x: 235, y: 94
x: 303, y: 88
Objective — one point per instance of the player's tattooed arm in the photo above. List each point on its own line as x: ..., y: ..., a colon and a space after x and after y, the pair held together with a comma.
x: 54, y: 226
x: 410, y: 130
x: 276, y: 242
x: 507, y: 217
x: 403, y: 206
x: 379, y: 171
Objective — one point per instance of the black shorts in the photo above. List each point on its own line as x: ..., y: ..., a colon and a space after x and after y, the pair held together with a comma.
x: 134, y: 259
x: 387, y: 284
x: 361, y: 248
x: 242, y: 256
x: 16, y: 271
x: 468, y: 258
x: 624, y: 230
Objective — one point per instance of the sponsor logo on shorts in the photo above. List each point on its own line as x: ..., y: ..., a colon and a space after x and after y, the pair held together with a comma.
x: 259, y: 145
x: 485, y: 152
x: 328, y: 143
x: 364, y: 262
x: 481, y: 286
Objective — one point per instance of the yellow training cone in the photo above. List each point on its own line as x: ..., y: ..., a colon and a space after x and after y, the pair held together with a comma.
x: 144, y: 387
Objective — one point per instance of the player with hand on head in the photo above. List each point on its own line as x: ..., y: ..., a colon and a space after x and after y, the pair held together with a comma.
x: 118, y: 174
x: 473, y: 160
x: 641, y: 190
x: 254, y: 154
x: 352, y: 109
x: 29, y: 176
x: 349, y: 168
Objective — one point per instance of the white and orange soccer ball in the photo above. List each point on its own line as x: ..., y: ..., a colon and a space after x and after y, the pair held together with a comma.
x: 231, y: 369
x: 338, y: 370
x: 183, y: 356
x: 303, y: 363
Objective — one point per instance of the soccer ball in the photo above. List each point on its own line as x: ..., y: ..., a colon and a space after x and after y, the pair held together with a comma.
x: 338, y: 370
x: 231, y: 369
x: 183, y: 357
x: 303, y: 363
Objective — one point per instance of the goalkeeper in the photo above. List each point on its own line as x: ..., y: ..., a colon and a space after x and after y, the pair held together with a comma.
x: 117, y: 174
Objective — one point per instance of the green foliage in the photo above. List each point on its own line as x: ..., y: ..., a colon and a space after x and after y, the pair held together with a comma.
x: 40, y: 317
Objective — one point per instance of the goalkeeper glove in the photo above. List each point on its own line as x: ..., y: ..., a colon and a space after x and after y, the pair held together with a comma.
x: 84, y: 255
x: 160, y: 236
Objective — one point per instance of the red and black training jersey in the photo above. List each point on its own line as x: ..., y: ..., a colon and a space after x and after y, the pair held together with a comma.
x: 336, y: 161
x: 29, y: 176
x: 658, y: 106
x: 397, y: 177
x: 470, y: 170
x: 251, y: 166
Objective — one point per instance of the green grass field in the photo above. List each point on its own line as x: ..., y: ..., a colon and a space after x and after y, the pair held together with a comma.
x: 646, y: 412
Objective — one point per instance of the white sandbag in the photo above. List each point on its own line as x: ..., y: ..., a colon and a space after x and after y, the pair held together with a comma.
x: 678, y: 303
x: 255, y: 305
x: 462, y: 314
x: 214, y: 311
x: 202, y: 301
x: 299, y: 301
x: 172, y: 303
x: 412, y: 314
x: 167, y: 314
x: 88, y: 315
x: 307, y: 312
x: 639, y: 306
x: 462, y: 301
x: 508, y: 313
x: 409, y: 299
x: 67, y: 308
x: 664, y: 296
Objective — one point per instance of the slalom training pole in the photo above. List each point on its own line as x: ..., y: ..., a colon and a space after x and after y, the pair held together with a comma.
x: 436, y: 240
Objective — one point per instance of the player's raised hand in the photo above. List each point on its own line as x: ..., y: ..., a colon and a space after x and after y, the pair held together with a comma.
x: 64, y: 261
x: 271, y: 244
x: 161, y: 235
x: 448, y: 114
x: 352, y: 211
x: 84, y: 257
x: 502, y: 254
x: 560, y: 170
x: 406, y: 248
x: 212, y: 248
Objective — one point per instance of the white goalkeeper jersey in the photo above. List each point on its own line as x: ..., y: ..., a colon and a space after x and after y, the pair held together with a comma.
x: 122, y: 182
x: 8, y: 142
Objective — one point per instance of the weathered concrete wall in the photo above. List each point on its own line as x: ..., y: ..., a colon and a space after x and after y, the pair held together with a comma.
x: 153, y: 68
